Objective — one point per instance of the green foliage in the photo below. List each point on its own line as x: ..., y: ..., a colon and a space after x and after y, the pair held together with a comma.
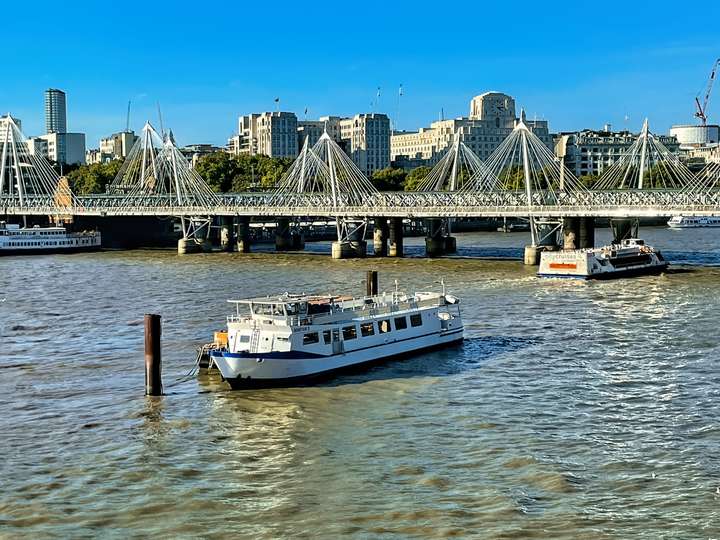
x: 389, y: 179
x: 87, y: 179
x: 589, y: 180
x: 414, y: 177
x: 512, y: 177
x: 224, y: 172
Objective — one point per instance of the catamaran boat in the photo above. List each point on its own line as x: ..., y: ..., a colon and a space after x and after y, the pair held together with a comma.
x: 288, y: 339
x: 632, y: 257
x: 691, y: 222
x: 16, y: 240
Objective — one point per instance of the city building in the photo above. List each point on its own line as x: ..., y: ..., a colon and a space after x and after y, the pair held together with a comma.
x: 695, y: 136
x: 311, y: 130
x: 117, y: 145
x: 492, y: 118
x: 366, y: 139
x: 591, y: 152
x: 94, y: 156
x: 65, y: 148
x: 193, y: 152
x: 55, y: 111
x: 37, y: 146
x: 272, y: 134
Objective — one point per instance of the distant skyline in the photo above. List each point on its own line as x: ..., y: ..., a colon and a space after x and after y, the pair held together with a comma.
x: 207, y: 64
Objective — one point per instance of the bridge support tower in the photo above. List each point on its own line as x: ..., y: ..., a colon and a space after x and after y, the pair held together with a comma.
x: 351, y: 241
x: 380, y: 236
x: 578, y: 233
x: 287, y: 239
x: 243, y: 234
x: 196, y: 231
x: 226, y: 233
x: 544, y: 235
x: 396, y: 235
x: 438, y: 241
x: 624, y: 228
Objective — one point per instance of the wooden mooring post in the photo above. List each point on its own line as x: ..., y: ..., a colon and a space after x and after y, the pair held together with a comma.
x: 153, y: 357
x: 371, y: 282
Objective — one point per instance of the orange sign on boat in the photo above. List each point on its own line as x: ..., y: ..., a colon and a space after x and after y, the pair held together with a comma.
x: 565, y: 266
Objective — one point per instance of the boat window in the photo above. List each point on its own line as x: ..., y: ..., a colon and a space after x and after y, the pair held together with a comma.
x: 416, y: 320
x: 292, y: 309
x: 244, y: 339
x: 326, y: 337
x: 400, y: 323
x: 311, y: 337
x: 349, y: 332
x: 384, y: 326
x: 367, y: 329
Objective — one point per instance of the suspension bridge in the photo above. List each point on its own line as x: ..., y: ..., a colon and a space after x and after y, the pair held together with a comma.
x: 522, y: 178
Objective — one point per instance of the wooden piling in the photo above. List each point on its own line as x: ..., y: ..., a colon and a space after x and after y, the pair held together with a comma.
x: 153, y: 358
x: 372, y: 283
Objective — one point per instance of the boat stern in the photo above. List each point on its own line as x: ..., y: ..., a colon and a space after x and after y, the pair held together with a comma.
x: 564, y: 264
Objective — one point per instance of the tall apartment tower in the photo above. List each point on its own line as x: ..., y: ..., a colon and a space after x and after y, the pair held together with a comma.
x: 55, y: 111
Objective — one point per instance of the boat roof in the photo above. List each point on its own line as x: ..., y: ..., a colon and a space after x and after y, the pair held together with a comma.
x: 288, y: 298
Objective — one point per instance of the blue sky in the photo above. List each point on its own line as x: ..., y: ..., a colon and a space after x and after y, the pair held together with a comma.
x: 207, y: 63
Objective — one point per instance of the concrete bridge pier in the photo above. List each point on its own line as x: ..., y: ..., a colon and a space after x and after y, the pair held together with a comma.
x: 546, y: 239
x: 226, y: 233
x: 571, y: 233
x: 286, y: 239
x: 586, y: 237
x: 353, y: 246
x: 396, y: 236
x: 243, y: 234
x: 380, y: 237
x: 437, y: 241
x: 624, y: 228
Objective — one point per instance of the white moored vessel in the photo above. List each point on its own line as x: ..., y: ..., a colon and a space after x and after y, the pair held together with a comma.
x: 16, y: 240
x: 629, y: 258
x: 290, y: 338
x: 691, y: 222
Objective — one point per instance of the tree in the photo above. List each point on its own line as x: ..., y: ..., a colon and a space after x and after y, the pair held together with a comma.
x: 389, y: 179
x: 414, y: 177
x: 589, y: 180
x: 219, y: 170
x: 94, y: 178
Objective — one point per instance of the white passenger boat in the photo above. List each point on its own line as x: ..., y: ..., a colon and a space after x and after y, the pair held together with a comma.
x: 629, y: 258
x: 691, y: 222
x: 16, y: 240
x: 289, y: 339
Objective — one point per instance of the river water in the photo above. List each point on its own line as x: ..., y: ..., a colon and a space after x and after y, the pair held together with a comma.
x: 572, y: 410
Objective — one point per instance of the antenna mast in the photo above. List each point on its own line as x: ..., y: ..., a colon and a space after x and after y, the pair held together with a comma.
x: 127, y: 119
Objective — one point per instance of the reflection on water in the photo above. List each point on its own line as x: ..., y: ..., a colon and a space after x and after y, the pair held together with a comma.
x: 572, y: 410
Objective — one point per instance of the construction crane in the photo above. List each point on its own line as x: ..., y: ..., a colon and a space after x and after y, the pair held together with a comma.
x: 702, y: 108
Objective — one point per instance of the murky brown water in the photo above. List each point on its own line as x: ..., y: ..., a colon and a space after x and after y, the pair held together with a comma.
x: 572, y: 410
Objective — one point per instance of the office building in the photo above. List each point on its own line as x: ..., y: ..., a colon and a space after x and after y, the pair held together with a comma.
x: 117, y: 145
x: 37, y: 146
x: 591, y: 152
x: 695, y: 136
x: 65, y: 148
x: 492, y: 118
x: 55, y: 111
x: 272, y: 134
x: 366, y: 139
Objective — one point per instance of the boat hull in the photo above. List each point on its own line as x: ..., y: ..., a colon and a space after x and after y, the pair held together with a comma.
x: 49, y: 251
x: 261, y: 372
x: 617, y: 274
